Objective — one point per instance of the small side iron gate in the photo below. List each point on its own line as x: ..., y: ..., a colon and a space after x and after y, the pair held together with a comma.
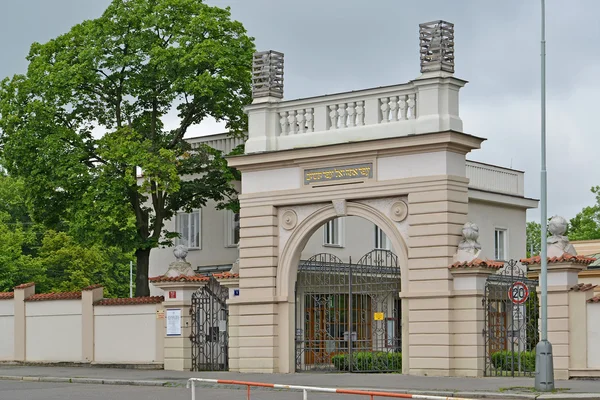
x: 209, y: 328
x: 348, y: 315
x: 511, y: 322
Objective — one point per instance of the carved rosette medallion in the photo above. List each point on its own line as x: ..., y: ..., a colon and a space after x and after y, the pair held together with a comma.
x: 399, y: 211
x: 289, y: 219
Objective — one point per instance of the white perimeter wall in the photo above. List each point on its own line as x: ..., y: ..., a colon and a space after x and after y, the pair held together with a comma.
x: 53, y: 330
x: 7, y: 330
x: 593, y: 337
x: 127, y: 334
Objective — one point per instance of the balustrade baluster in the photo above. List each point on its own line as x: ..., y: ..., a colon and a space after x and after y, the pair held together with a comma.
x: 412, y: 106
x: 343, y: 115
x: 292, y: 122
x: 333, y: 116
x: 301, y: 118
x: 309, y: 119
x: 385, y: 110
x: 360, y: 113
x: 351, y: 115
x: 402, y: 107
x: 394, y: 108
x: 283, y: 121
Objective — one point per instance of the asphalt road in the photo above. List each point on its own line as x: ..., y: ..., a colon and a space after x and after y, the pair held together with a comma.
x: 14, y: 390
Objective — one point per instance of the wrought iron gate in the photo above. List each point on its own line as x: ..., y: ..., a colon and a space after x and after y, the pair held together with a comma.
x: 348, y: 316
x: 511, y: 322
x: 209, y: 328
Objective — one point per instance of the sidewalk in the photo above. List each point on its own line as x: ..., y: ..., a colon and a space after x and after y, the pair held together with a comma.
x: 459, y: 387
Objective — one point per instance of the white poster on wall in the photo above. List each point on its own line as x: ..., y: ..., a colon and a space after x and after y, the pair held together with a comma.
x: 173, y: 322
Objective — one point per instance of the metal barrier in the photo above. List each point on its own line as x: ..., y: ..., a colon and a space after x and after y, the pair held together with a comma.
x: 305, y: 389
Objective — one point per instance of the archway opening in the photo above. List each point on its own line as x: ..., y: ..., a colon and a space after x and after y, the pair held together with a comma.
x: 347, y: 306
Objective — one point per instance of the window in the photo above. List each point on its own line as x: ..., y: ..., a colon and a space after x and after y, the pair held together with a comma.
x: 500, y: 244
x: 189, y: 227
x: 332, y: 233
x: 232, y: 228
x: 381, y: 239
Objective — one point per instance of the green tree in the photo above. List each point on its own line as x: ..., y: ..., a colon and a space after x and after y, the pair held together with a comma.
x: 586, y: 224
x: 534, y: 234
x: 118, y: 77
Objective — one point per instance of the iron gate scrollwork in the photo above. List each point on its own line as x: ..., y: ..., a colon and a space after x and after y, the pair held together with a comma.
x: 209, y: 328
x: 348, y: 316
x: 511, y: 322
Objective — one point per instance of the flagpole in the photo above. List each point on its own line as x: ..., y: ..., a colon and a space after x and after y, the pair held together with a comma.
x: 544, y: 366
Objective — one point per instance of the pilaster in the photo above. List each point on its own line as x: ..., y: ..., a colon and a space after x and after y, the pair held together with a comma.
x: 253, y: 312
x: 562, y: 280
x: 178, y: 296
x: 21, y: 292
x: 435, y: 221
x: 468, y: 316
x: 89, y: 296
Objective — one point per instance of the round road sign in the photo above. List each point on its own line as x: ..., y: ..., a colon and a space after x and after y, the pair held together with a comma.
x: 518, y: 293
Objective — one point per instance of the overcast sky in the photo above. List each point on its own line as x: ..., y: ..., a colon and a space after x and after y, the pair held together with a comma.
x: 340, y: 45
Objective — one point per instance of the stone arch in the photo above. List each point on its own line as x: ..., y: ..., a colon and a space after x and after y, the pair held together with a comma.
x: 287, y: 270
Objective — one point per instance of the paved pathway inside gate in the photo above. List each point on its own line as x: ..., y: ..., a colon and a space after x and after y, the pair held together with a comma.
x: 388, y: 382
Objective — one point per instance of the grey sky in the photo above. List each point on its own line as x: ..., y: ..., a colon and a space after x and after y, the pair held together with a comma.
x: 339, y: 45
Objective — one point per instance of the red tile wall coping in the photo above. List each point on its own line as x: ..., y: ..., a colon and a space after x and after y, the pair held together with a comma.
x: 7, y: 295
x: 477, y: 263
x: 130, y: 301
x: 25, y: 285
x: 55, y: 296
x: 92, y: 287
x: 182, y: 278
x: 564, y: 258
x: 583, y: 287
x: 595, y: 299
x: 226, y: 275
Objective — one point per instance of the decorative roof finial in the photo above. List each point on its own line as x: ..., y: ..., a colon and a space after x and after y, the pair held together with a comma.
x: 267, y: 74
x: 437, y: 46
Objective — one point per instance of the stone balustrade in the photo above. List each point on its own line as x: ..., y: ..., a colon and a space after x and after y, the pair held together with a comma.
x: 425, y: 105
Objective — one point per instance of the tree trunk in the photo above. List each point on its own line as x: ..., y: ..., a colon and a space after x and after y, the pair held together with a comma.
x: 142, y: 287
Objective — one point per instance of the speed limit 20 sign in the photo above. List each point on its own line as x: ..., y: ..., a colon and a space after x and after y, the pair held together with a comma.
x: 518, y: 293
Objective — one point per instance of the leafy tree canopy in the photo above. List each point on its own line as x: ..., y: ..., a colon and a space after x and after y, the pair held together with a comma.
x: 96, y: 107
x: 586, y: 224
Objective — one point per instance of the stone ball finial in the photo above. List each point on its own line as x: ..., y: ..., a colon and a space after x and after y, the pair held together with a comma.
x: 468, y: 248
x: 557, y: 226
x: 180, y: 252
x: 558, y: 243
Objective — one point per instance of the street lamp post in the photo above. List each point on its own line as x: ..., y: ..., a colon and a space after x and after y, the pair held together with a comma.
x: 544, y: 366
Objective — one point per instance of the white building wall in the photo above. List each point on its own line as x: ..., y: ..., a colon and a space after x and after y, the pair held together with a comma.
x: 7, y: 330
x: 490, y: 216
x: 127, y: 334
x: 593, y: 336
x: 53, y: 330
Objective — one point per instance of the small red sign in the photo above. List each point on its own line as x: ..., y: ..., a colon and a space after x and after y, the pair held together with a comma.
x: 172, y: 294
x: 518, y: 293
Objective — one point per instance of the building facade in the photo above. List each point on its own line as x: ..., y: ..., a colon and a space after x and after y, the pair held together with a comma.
x: 365, y: 234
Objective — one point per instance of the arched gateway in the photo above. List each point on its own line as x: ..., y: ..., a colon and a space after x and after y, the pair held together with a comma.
x: 393, y: 155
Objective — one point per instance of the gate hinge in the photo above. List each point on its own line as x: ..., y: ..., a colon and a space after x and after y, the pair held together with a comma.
x: 483, y: 332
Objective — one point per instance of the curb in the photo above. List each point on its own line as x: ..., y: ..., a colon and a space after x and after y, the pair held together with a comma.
x: 95, y: 381
x: 164, y: 383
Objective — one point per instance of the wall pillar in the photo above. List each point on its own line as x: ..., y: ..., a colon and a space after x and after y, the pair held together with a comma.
x: 562, y: 278
x: 89, y: 296
x: 178, y: 293
x: 22, y: 292
x: 253, y: 314
x: 468, y: 316
x: 436, y: 217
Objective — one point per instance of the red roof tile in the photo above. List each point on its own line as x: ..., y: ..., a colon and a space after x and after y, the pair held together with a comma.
x: 583, y: 287
x: 477, y: 263
x: 131, y: 301
x: 226, y: 275
x: 7, y: 295
x: 92, y: 287
x: 55, y: 296
x: 25, y: 285
x: 182, y: 278
x: 564, y: 258
x: 595, y: 299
